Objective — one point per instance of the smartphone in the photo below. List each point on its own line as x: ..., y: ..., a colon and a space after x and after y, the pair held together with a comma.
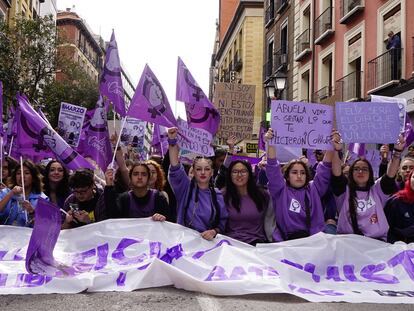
x: 74, y: 207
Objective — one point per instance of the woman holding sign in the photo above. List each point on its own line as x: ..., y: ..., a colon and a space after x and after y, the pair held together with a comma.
x: 297, y: 199
x: 199, y: 205
x: 361, y: 199
x: 15, y: 208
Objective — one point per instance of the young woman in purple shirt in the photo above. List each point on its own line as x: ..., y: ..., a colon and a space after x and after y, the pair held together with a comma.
x: 199, y: 205
x: 297, y: 199
x: 361, y: 199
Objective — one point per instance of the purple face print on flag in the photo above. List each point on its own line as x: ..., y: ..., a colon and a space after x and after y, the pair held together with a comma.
x: 153, y: 93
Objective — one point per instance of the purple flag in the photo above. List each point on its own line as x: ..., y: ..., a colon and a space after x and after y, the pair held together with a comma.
x: 357, y: 148
x: 47, y: 135
x: 150, y: 102
x: 82, y: 139
x: 262, y: 132
x: 201, y: 113
x: 97, y: 143
x: 111, y: 82
x: 1, y: 109
x: 39, y: 256
x: 408, y: 131
x: 159, y: 140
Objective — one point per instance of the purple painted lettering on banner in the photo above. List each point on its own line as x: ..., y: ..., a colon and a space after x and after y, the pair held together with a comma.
x: 310, y: 267
x: 120, y: 281
x: 332, y: 273
x: 217, y: 274
x: 200, y: 254
x: 172, y: 253
x: 330, y: 292
x: 102, y: 261
x: 350, y: 274
x: 143, y: 267
x: 293, y: 264
x: 17, y: 257
x: 392, y: 293
x: 405, y: 259
x: 272, y: 272
x: 155, y: 249
x: 118, y: 254
x: 78, y: 262
x: 369, y: 271
x: 3, y: 279
x: 257, y: 270
x: 307, y: 291
x: 31, y: 280
x: 2, y: 255
x: 238, y: 273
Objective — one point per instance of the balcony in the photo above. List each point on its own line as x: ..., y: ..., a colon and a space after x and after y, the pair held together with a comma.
x: 348, y: 88
x: 350, y: 8
x: 267, y: 69
x: 302, y: 45
x: 237, y: 62
x: 322, y: 94
x: 323, y: 26
x: 281, y: 5
x: 270, y: 13
x: 225, y: 76
x: 280, y: 61
x: 384, y: 70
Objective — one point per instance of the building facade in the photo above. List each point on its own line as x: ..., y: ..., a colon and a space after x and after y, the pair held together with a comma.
x: 238, y: 55
x: 5, y: 6
x: 79, y: 44
x: 49, y: 7
x: 27, y: 8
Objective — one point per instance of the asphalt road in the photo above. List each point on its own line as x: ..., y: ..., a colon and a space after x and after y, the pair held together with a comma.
x: 171, y: 299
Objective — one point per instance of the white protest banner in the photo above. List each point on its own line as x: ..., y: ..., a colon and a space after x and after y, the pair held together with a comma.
x: 70, y: 123
x: 235, y: 103
x: 194, y: 140
x: 368, y: 122
x: 128, y: 254
x: 303, y: 125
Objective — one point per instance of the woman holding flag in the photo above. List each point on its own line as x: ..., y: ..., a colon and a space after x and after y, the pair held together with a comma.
x: 200, y: 206
x: 18, y: 202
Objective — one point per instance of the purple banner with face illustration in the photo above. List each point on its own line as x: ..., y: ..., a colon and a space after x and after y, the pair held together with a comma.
x: 110, y: 85
x: 304, y: 125
x: 1, y: 109
x: 39, y: 256
x: 201, y: 113
x: 69, y: 157
x: 98, y: 145
x: 150, y: 102
x: 70, y: 123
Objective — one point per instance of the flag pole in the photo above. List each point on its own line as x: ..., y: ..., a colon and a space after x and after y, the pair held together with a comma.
x: 11, y: 145
x: 117, y: 142
x: 24, y: 191
x: 1, y: 159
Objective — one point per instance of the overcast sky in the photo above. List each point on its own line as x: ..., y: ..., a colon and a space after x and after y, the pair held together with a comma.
x: 156, y: 32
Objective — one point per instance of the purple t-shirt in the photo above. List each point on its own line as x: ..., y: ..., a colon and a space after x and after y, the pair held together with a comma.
x: 200, y: 215
x: 289, y: 203
x: 248, y: 224
x: 370, y: 212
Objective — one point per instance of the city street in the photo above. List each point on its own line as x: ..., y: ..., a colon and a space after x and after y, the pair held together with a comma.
x: 171, y: 299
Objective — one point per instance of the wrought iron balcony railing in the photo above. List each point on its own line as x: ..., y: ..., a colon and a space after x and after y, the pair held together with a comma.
x: 322, y: 94
x: 302, y: 45
x: 280, y: 61
x: 270, y: 13
x: 267, y: 69
x: 323, y: 26
x: 237, y: 62
x: 349, y: 88
x: 384, y: 70
x: 280, y: 5
x: 350, y: 8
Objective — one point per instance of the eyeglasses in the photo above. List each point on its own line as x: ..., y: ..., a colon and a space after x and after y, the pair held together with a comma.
x: 239, y: 172
x: 361, y: 169
x: 81, y: 191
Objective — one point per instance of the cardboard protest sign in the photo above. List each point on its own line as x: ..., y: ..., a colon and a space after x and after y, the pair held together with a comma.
x: 303, y: 125
x: 235, y: 103
x: 194, y: 140
x: 368, y: 122
x: 70, y: 123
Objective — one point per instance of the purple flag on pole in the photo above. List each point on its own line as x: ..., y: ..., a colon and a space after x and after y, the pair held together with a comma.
x: 60, y: 148
x: 82, y: 139
x: 159, y: 140
x: 97, y: 143
x: 39, y: 256
x: 111, y: 82
x: 150, y: 102
x: 1, y: 109
x: 201, y: 113
x: 357, y: 148
x: 262, y: 132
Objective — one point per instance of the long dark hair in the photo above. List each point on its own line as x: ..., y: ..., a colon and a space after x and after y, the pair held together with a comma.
x: 215, y: 215
x: 353, y: 187
x: 37, y: 185
x: 255, y: 192
x: 288, y: 167
x: 62, y: 189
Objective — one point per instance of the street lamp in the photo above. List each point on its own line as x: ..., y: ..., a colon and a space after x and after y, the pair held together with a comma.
x: 276, y: 85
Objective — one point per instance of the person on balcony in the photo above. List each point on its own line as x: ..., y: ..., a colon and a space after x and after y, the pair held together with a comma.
x: 394, y: 46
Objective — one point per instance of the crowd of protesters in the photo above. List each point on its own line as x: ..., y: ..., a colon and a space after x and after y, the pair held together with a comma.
x: 270, y: 202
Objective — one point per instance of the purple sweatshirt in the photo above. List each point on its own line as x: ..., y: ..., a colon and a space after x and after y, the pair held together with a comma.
x: 289, y: 203
x: 370, y: 212
x: 199, y: 215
